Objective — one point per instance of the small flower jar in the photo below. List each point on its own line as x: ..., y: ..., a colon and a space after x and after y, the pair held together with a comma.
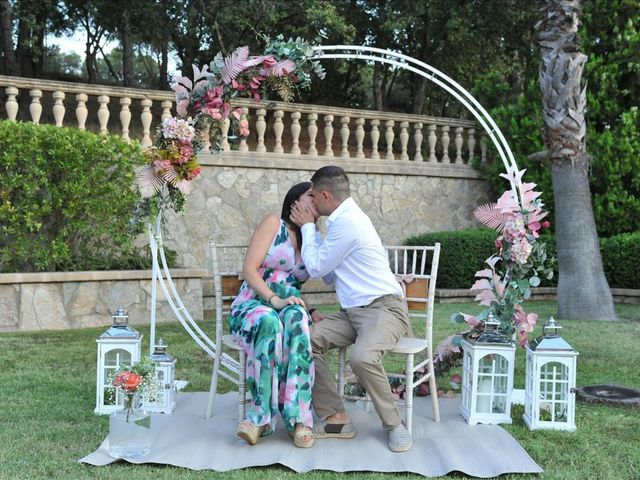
x: 130, y: 429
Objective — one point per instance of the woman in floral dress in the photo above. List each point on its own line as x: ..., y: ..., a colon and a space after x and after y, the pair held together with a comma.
x: 270, y: 321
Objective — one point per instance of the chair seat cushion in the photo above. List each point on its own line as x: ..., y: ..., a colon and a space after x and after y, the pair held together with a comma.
x: 410, y: 345
x: 230, y: 342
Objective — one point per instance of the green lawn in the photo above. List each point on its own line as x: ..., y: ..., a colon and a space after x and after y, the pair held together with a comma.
x: 47, y: 396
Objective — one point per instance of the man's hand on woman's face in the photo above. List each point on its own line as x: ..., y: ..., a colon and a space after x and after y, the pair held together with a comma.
x: 301, y: 214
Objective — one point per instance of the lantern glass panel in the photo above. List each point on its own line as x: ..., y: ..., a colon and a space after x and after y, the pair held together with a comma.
x: 109, y: 396
x: 117, y: 359
x: 554, y: 392
x: 160, y: 392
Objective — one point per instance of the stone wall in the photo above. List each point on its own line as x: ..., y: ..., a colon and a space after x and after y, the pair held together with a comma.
x: 236, y: 191
x: 56, y: 301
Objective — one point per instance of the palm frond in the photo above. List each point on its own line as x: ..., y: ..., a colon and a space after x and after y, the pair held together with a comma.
x: 149, y: 183
x: 234, y: 64
x: 170, y: 175
x: 280, y: 69
x: 490, y: 216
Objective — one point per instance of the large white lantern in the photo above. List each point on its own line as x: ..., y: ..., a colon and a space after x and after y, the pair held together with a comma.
x: 487, y: 377
x: 118, y: 348
x: 164, y: 399
x: 550, y: 400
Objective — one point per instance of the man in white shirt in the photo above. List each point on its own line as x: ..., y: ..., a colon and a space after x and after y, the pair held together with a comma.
x: 373, y: 316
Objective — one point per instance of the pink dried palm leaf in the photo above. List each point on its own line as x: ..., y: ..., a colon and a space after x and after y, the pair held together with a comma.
x: 471, y: 320
x: 481, y: 284
x: 485, y: 297
x: 234, y: 64
x: 203, y: 74
x: 508, y: 203
x: 149, y: 183
x: 486, y: 273
x: 489, y: 215
x: 280, y: 69
x: 170, y: 175
x: 181, y: 84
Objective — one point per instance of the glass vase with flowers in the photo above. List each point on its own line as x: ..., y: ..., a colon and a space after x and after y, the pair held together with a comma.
x: 130, y: 428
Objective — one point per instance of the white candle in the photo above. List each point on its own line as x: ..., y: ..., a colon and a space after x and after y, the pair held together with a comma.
x: 483, y: 402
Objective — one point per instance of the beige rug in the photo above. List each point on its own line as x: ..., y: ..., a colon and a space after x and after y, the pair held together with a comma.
x: 186, y: 439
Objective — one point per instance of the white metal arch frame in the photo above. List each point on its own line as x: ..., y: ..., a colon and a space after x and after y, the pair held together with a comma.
x: 161, y: 274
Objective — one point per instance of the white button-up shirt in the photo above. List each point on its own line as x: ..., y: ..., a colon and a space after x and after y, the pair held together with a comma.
x: 351, y: 256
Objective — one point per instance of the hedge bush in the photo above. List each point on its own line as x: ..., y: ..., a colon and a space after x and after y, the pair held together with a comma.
x: 463, y: 253
x: 66, y: 200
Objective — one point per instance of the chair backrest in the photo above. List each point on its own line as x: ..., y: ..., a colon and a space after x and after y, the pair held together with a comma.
x: 418, y: 267
x: 226, y: 263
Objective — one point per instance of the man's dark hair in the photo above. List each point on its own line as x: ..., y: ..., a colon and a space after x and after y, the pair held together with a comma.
x: 333, y: 179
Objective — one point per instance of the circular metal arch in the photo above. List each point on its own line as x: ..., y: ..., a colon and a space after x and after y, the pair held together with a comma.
x: 399, y: 60
x: 160, y: 270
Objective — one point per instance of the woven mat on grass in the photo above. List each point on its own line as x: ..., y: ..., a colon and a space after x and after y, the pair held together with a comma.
x: 186, y: 439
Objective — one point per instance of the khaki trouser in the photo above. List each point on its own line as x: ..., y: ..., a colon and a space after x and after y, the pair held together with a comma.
x: 373, y: 330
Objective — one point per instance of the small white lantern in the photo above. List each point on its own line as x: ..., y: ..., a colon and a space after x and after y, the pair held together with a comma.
x: 550, y: 399
x: 164, y: 400
x: 487, y: 377
x: 118, y: 348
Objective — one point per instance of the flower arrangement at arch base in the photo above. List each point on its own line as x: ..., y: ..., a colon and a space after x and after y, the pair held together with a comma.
x: 204, y: 110
x: 520, y: 263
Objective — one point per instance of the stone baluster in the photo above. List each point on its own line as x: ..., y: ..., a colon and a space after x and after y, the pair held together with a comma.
x: 359, y: 137
x: 81, y: 110
x: 417, y: 140
x: 103, y: 114
x: 458, y: 143
x: 445, y: 144
x: 12, y: 104
x: 58, y: 107
x: 35, y: 108
x: 313, y: 133
x: 243, y: 147
x: 404, y: 140
x: 471, y: 144
x: 295, y: 133
x: 344, y: 135
x: 388, y: 136
x: 375, y: 138
x: 125, y: 117
x: 483, y: 149
x: 328, y: 135
x: 146, y: 118
x: 432, y: 139
x: 166, y: 110
x: 278, y: 128
x: 261, y: 127
x: 224, y: 135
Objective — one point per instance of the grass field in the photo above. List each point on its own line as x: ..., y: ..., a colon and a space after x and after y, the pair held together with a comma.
x: 47, y: 396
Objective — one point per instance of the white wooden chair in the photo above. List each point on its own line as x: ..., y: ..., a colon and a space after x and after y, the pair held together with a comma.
x: 227, y: 261
x: 413, y: 262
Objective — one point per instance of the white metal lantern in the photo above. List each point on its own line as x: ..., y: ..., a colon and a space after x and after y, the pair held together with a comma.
x: 550, y: 400
x: 164, y: 399
x: 487, y: 377
x: 118, y: 348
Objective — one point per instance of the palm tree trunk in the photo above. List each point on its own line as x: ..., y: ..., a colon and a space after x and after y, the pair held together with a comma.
x: 10, y: 66
x: 583, y: 291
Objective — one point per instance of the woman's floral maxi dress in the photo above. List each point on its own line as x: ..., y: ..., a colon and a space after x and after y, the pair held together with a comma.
x: 280, y: 369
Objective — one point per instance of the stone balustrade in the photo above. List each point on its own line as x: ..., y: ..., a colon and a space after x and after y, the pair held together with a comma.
x: 276, y: 127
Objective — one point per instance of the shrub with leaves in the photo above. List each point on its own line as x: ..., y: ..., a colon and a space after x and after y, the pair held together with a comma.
x: 66, y: 198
